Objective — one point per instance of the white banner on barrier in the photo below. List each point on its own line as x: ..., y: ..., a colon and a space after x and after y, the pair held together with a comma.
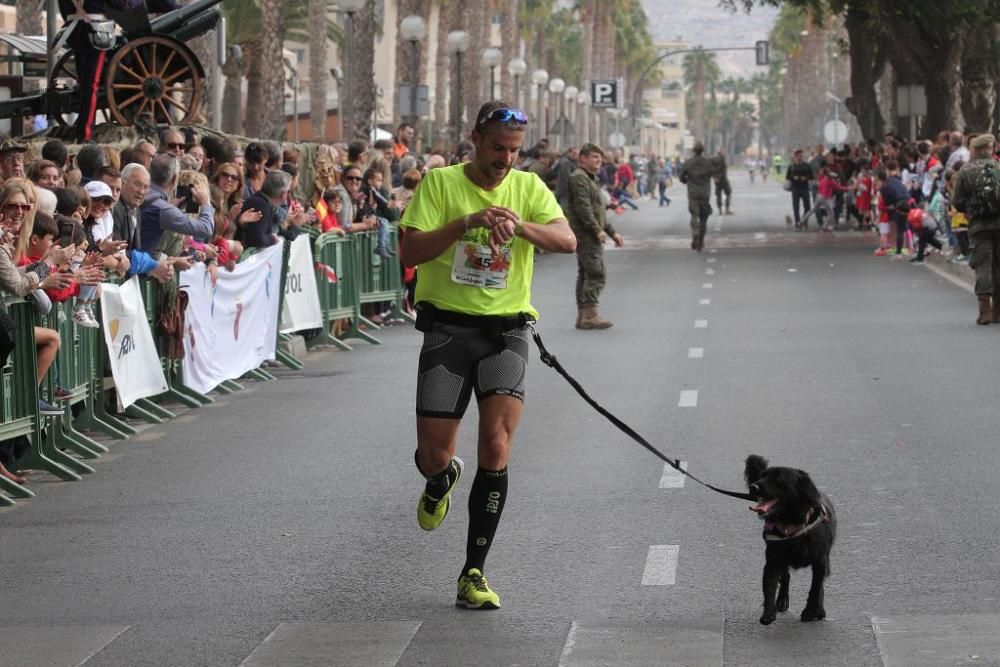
x: 301, y: 306
x: 135, y: 364
x: 231, y: 328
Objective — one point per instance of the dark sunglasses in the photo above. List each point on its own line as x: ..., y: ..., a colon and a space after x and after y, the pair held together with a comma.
x: 229, y: 174
x: 504, y: 116
x: 104, y: 200
x: 21, y: 207
x: 180, y: 146
x: 352, y: 178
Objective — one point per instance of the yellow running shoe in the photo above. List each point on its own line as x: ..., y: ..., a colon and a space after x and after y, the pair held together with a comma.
x: 432, y: 511
x: 475, y: 593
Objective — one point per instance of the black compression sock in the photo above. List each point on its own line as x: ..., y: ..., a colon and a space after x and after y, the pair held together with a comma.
x: 486, y: 501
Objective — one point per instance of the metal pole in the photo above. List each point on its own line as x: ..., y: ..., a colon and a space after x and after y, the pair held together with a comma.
x: 517, y: 91
x: 348, y: 105
x: 295, y: 104
x: 215, y: 83
x: 493, y: 84
x: 538, y: 110
x: 414, y: 79
x: 458, y: 98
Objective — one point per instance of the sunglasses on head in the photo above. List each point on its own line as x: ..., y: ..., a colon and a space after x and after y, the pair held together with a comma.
x: 504, y: 116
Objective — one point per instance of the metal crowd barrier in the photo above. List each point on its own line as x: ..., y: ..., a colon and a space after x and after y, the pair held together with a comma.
x: 348, y: 275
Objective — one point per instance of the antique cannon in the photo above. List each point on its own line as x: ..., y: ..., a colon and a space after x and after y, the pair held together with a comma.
x: 151, y: 76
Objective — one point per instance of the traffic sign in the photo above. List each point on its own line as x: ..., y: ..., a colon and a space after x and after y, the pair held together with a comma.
x: 606, y: 93
x: 616, y: 140
x: 835, y: 132
x: 763, y: 52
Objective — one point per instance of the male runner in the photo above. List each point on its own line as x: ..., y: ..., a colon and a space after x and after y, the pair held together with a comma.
x: 472, y: 228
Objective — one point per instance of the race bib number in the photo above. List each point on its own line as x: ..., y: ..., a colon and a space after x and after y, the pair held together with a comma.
x: 480, y: 265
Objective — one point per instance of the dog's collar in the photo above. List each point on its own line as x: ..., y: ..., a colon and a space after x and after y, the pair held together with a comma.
x: 778, y: 532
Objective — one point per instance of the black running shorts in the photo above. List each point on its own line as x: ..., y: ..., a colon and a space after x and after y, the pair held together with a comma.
x: 456, y: 360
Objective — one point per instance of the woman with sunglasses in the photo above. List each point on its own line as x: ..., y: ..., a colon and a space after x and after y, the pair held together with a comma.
x: 15, y: 210
x: 473, y: 228
x: 354, y: 216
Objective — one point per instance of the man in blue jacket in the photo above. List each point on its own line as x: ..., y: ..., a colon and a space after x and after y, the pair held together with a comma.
x: 897, y: 199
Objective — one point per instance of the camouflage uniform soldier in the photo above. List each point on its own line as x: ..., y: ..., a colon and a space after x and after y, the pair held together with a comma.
x: 587, y: 218
x: 722, y: 183
x: 977, y: 194
x: 697, y: 173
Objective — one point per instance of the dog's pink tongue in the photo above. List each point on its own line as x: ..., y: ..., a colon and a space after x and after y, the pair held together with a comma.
x: 763, y: 507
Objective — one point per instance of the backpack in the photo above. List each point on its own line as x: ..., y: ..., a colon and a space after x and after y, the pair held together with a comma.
x: 984, y: 199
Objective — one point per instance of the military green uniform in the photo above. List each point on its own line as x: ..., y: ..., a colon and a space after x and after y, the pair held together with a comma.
x: 722, y: 183
x: 697, y: 174
x: 984, y: 229
x: 587, y: 218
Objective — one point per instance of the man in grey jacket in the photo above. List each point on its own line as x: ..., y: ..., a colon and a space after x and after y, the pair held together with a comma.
x: 160, y: 212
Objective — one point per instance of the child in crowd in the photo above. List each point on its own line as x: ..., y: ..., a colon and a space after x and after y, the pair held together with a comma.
x: 959, y: 224
x: 334, y: 204
x: 864, y: 186
x: 72, y: 208
x: 883, y: 228
x: 826, y: 186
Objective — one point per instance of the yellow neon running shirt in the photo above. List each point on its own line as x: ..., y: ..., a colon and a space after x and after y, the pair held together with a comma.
x: 467, y: 278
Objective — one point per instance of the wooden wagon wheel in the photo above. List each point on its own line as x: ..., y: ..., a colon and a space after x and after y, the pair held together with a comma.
x: 154, y: 78
x: 64, y: 76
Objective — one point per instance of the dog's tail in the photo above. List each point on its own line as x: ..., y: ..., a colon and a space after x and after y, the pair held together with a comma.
x: 755, y: 467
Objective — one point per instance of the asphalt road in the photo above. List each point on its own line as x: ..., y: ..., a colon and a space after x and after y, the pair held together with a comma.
x: 277, y: 527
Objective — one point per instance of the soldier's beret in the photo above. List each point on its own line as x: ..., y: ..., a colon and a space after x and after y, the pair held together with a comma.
x: 982, y: 141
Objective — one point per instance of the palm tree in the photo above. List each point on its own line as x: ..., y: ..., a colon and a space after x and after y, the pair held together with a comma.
x: 701, y: 69
x: 270, y: 63
x: 318, y: 74
x: 511, y: 48
x: 450, y: 19
x: 477, y: 19
x: 29, y: 16
x: 363, y: 86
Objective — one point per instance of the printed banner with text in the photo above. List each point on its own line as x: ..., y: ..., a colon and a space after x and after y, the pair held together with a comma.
x: 231, y: 328
x: 135, y: 363
x: 301, y: 308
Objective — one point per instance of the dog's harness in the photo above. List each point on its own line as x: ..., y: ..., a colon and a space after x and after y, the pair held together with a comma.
x: 550, y: 360
x: 774, y: 532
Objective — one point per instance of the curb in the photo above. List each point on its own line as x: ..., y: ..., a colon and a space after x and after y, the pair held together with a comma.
x: 960, y: 271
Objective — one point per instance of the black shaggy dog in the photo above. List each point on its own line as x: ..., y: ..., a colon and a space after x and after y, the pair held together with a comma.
x: 799, y: 527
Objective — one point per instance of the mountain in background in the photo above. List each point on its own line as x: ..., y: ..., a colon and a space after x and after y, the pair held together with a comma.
x: 703, y: 22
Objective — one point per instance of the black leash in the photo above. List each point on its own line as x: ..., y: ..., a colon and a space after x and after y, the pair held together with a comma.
x: 550, y: 360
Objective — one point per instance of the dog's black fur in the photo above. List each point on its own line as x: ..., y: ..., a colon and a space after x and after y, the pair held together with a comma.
x: 788, y: 501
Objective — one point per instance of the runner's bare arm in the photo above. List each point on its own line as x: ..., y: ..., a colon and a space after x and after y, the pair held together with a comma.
x: 554, y: 236
x: 423, y: 246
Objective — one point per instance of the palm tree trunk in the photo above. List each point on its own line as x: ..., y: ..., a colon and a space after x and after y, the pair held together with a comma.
x: 363, y: 93
x: 510, y: 45
x: 318, y: 75
x: 272, y: 69
x: 255, y: 88
x: 450, y: 19
x: 29, y: 17
x: 232, y: 96
x: 404, y: 50
x: 476, y: 13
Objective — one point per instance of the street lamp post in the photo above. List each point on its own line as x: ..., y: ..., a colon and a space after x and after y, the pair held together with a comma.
x: 539, y: 77
x: 492, y: 58
x: 516, y: 68
x: 570, y: 104
x: 556, y: 87
x: 583, y: 99
x: 458, y: 43
x: 413, y: 29
x: 349, y: 7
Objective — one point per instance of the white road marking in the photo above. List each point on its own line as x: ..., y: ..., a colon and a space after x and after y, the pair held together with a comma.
x: 713, y: 250
x: 760, y: 236
x: 672, y: 478
x: 704, y: 302
x: 954, y: 280
x: 661, y: 565
x: 709, y: 272
x: 688, y: 399
x: 706, y: 285
x: 711, y: 260
x: 568, y: 646
x: 793, y: 270
x: 701, y: 324
x: 696, y: 352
